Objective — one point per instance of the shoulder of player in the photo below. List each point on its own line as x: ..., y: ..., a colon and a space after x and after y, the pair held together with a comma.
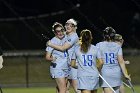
x: 54, y: 39
x: 100, y: 43
x: 116, y: 44
x: 94, y: 47
x: 74, y: 35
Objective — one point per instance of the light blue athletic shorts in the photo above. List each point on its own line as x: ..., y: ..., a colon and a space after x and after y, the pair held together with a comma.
x: 72, y: 73
x: 112, y: 74
x: 58, y: 73
x: 88, y: 83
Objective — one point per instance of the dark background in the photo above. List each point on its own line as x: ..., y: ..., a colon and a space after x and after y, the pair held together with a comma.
x: 22, y: 22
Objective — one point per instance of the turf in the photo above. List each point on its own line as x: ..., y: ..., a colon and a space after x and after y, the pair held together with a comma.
x: 38, y: 70
x: 14, y: 74
x: 50, y: 90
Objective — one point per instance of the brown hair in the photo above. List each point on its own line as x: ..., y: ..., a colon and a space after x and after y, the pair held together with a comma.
x: 118, y: 37
x: 109, y: 34
x: 86, y: 38
x: 55, y: 25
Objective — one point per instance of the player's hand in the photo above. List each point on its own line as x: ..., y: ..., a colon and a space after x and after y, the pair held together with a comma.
x: 127, y: 77
x: 127, y: 62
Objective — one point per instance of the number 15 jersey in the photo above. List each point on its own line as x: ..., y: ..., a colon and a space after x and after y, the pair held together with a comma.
x: 87, y: 61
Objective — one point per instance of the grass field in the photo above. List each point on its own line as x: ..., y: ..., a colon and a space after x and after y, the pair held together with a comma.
x: 50, y: 90
x: 14, y: 70
x: 14, y: 74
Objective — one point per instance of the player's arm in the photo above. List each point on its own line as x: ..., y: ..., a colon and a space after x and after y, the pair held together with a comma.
x: 59, y: 47
x: 99, y: 63
x: 99, y: 60
x: 49, y: 56
x: 123, y: 67
x: 122, y: 63
x: 73, y: 60
x: 127, y: 62
x: 73, y: 63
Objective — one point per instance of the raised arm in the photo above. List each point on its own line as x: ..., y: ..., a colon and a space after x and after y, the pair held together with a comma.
x: 63, y: 47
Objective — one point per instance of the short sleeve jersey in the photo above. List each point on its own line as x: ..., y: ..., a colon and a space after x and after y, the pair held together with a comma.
x: 87, y: 61
x: 109, y: 52
x: 73, y: 41
x: 61, y: 57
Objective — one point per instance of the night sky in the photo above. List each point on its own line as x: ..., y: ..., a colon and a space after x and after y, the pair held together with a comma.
x: 39, y: 15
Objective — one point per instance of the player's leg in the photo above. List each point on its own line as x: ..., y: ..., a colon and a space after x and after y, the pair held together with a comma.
x: 102, y: 91
x: 61, y: 83
x: 74, y: 80
x: 122, y: 89
x: 59, y: 76
x: 86, y: 91
x: 74, y: 85
x: 117, y: 89
x: 67, y: 86
x: 107, y: 90
x: 57, y: 89
x: 94, y: 91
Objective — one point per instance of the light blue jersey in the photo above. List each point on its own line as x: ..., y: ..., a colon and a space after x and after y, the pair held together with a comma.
x: 88, y: 75
x: 87, y: 61
x: 61, y: 57
x: 72, y: 39
x: 111, y: 70
x: 110, y: 52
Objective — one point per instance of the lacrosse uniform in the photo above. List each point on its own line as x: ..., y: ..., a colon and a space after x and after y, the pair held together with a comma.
x: 73, y: 41
x: 59, y: 68
x: 111, y: 70
x: 88, y: 75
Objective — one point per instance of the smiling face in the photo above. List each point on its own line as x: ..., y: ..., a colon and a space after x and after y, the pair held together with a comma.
x: 70, y: 26
x: 59, y: 32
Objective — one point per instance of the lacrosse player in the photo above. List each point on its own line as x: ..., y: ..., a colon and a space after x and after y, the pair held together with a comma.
x: 69, y: 46
x: 113, y: 65
x: 86, y: 55
x: 59, y: 59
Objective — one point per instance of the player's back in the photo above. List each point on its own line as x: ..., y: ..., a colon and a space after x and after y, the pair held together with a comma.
x: 87, y: 62
x: 109, y: 52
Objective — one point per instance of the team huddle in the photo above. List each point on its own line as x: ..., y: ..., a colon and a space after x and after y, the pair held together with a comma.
x: 76, y: 61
